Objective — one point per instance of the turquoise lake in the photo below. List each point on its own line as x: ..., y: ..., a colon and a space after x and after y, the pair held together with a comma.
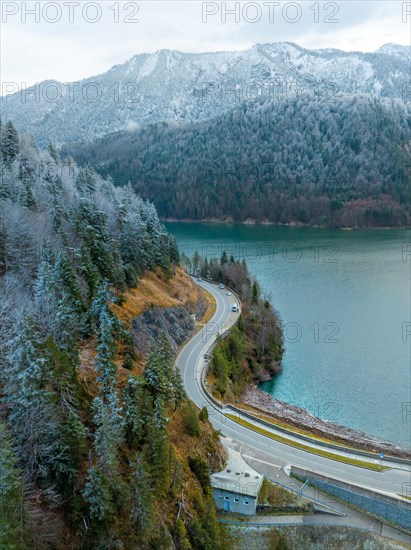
x: 344, y: 298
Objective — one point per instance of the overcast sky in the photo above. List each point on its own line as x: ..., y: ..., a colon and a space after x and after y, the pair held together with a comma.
x: 65, y: 44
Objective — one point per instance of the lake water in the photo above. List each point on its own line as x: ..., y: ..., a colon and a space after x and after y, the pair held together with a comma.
x: 344, y: 299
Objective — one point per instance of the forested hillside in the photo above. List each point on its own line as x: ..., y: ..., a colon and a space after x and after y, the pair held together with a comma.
x: 342, y: 162
x: 170, y: 85
x: 253, y: 350
x: 97, y: 450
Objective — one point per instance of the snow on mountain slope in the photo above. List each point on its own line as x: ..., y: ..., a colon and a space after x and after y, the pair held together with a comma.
x: 170, y: 85
x: 403, y: 52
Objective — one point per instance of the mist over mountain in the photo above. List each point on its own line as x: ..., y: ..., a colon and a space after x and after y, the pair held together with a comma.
x: 174, y: 86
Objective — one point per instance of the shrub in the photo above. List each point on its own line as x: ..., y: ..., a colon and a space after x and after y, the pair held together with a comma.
x: 190, y: 420
x: 203, y: 416
x: 200, y: 470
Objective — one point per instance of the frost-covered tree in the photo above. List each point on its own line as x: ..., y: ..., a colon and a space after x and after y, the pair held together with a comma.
x: 158, y: 448
x: 34, y: 417
x: 98, y: 495
x: 162, y: 380
x: 103, y: 472
x: 26, y: 199
x: 58, y: 299
x: 134, y: 411
x: 109, y: 435
x: 142, y: 498
x: 10, y: 143
x: 105, y: 351
x: 86, y: 182
x: 70, y: 242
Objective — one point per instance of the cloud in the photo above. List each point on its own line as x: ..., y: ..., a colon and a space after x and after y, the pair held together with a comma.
x: 32, y: 51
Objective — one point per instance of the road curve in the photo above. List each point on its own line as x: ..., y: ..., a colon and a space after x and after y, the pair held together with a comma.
x: 191, y: 363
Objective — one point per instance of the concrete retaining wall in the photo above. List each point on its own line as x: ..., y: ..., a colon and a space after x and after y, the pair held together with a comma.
x: 381, y: 506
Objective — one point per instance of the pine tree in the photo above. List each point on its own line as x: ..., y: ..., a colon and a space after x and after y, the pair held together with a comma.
x: 196, y: 262
x: 190, y: 420
x: 173, y: 250
x: 86, y: 182
x: 256, y: 293
x: 26, y: 196
x: 183, y: 542
x: 97, y: 493
x: 155, y: 374
x: 103, y: 473
x: 142, y: 499
x: 3, y: 247
x: 65, y: 277
x: 34, y: 417
x: 203, y: 416
x: 205, y: 531
x: 53, y: 152
x: 6, y: 182
x: 224, y: 258
x: 179, y: 392
x: 12, y: 513
x: 10, y: 144
x: 220, y: 369
x: 89, y: 271
x: 54, y: 184
x: 58, y: 211
x: 134, y: 411
x: 161, y: 378
x: 131, y: 251
x: 158, y: 452
x: 108, y: 414
x: 107, y: 371
x: 109, y: 433
x: 108, y: 189
x: 58, y: 299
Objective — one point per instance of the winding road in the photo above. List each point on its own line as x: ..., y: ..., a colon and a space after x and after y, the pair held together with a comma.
x: 192, y: 363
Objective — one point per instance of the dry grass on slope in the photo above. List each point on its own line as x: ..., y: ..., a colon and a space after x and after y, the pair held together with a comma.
x: 155, y: 290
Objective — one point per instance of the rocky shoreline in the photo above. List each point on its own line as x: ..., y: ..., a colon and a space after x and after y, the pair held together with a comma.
x: 229, y: 220
x: 302, y: 419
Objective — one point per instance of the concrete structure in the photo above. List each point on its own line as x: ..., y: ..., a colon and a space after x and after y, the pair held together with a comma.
x: 236, y: 488
x: 377, y: 504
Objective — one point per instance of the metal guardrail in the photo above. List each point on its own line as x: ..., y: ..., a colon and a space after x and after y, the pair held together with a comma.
x: 247, y: 414
x: 313, y: 440
x: 213, y: 344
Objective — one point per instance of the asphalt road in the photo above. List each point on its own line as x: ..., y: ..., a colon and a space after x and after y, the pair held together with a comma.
x: 191, y: 363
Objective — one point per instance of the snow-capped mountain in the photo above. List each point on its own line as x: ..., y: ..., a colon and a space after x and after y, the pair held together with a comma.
x: 171, y: 85
x: 403, y: 52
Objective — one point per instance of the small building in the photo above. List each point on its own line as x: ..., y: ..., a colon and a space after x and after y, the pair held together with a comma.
x: 236, y: 488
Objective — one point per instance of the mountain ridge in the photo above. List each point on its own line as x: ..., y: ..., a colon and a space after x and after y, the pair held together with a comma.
x: 170, y: 85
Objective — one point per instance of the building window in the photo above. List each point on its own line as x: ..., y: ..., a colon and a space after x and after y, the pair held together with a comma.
x: 226, y: 498
x: 220, y: 497
x: 236, y: 500
x: 246, y: 502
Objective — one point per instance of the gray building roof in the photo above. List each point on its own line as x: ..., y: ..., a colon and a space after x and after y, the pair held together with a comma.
x: 238, y: 477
